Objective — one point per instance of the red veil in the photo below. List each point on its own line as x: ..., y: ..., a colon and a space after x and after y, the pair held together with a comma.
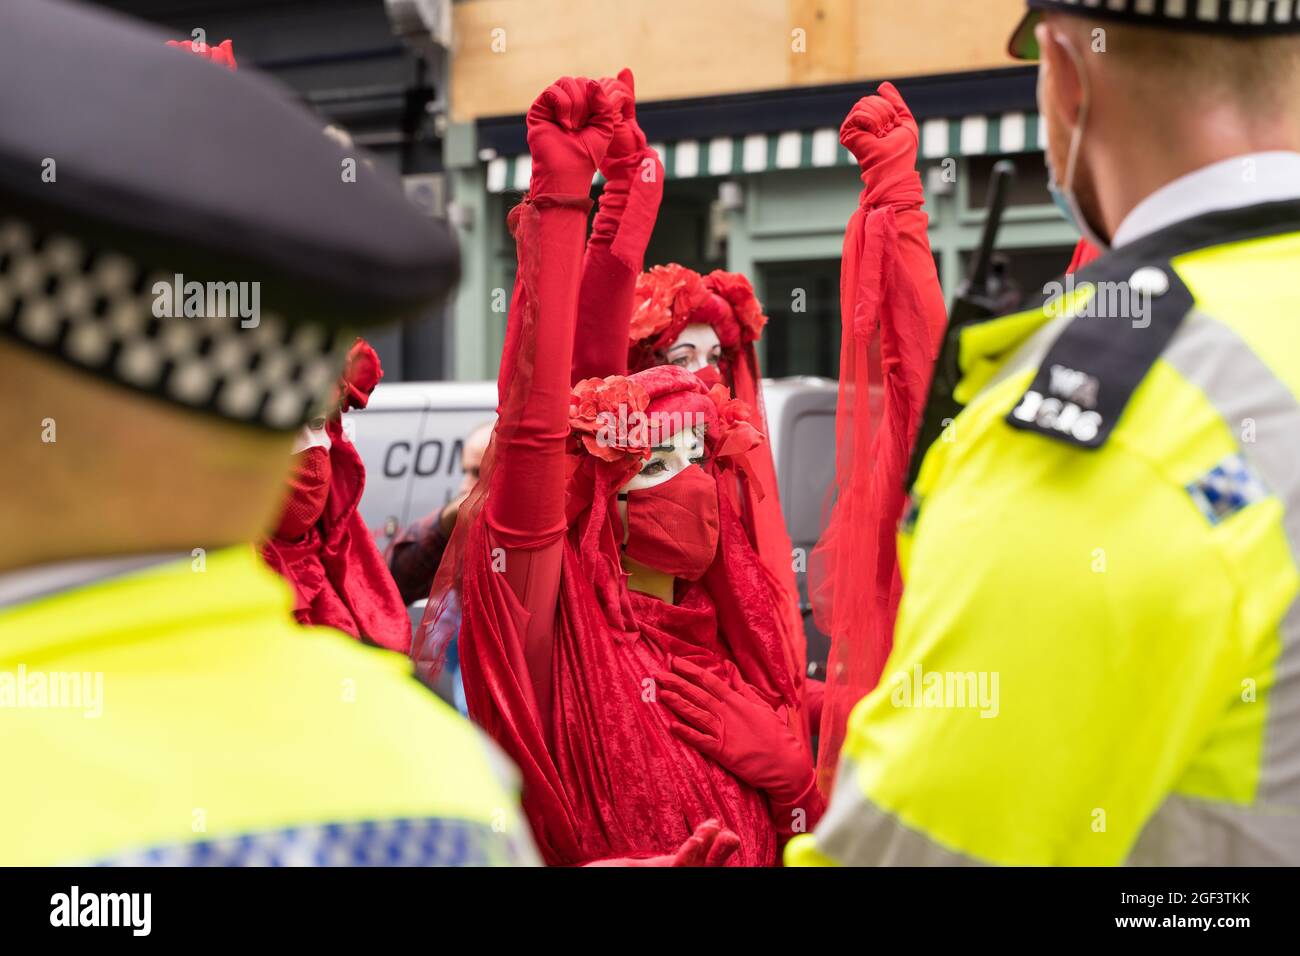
x: 893, y: 321
x: 670, y: 297
x: 603, y: 776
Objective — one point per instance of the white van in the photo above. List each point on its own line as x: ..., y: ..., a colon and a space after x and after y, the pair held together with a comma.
x: 411, y: 436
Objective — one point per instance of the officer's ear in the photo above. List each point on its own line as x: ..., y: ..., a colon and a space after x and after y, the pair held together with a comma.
x: 1060, y: 85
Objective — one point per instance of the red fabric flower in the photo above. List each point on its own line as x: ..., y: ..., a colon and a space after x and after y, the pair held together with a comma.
x: 664, y: 300
x: 223, y: 54
x: 735, y: 424
x: 607, y: 416
x: 738, y: 292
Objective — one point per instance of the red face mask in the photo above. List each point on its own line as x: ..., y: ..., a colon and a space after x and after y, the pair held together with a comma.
x: 673, y: 527
x: 710, y: 375
x: 309, y: 489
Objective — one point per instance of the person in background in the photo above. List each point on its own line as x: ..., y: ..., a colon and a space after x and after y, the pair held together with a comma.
x: 413, y: 558
x: 321, y: 545
x: 146, y: 452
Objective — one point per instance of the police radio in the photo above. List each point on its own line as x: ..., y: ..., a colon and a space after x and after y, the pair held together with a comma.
x: 974, y: 303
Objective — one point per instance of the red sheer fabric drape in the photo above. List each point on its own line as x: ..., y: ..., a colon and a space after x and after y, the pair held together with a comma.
x: 891, y: 306
x: 765, y: 521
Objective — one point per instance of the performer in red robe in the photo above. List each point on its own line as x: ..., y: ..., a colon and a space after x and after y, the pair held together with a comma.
x: 322, y: 546
x: 893, y: 314
x: 709, y: 325
x: 619, y: 633
x: 631, y: 321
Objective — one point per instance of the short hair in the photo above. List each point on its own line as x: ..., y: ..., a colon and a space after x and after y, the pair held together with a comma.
x: 480, y: 428
x: 1257, y: 75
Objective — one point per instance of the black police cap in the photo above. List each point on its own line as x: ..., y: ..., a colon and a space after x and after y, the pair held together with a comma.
x: 1245, y: 18
x: 125, y: 163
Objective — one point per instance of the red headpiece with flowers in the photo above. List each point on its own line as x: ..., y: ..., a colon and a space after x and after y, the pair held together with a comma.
x: 669, y: 298
x: 619, y: 419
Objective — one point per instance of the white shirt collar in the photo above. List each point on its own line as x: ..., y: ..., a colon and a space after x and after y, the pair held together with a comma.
x: 1229, y: 184
x: 43, y: 580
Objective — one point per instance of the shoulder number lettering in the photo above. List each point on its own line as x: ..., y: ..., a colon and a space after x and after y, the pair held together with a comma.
x: 1053, y: 414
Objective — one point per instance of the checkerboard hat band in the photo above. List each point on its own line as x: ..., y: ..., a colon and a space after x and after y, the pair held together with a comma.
x: 422, y: 841
x: 1241, y: 16
x: 95, y: 309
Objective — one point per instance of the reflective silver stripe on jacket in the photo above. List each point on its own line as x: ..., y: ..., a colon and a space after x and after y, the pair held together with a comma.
x: 855, y: 832
x: 1243, y: 389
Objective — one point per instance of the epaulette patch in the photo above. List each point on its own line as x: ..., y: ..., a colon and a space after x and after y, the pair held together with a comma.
x: 1092, y: 369
x: 1227, y: 488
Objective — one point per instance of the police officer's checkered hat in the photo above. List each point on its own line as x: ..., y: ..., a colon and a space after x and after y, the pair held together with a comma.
x: 1245, y: 18
x: 125, y: 163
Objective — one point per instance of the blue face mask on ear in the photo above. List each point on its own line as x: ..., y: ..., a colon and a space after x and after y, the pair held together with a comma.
x: 1068, y: 206
x: 1060, y: 202
x: 1063, y: 195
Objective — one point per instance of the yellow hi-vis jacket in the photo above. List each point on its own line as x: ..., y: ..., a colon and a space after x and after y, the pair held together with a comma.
x: 178, y: 715
x: 1097, y: 656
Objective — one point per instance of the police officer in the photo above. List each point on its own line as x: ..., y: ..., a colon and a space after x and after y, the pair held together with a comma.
x: 184, y: 260
x: 1097, y: 657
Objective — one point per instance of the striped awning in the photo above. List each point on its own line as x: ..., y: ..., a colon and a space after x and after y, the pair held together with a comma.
x: 979, y: 135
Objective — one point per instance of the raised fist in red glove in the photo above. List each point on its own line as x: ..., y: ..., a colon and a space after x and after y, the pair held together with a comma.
x: 738, y: 729
x: 881, y: 133
x: 709, y: 845
x: 569, y: 130
x: 629, y: 141
x: 361, y: 374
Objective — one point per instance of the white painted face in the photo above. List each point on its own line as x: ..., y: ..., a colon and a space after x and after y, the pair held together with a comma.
x: 695, y: 348
x: 684, y: 449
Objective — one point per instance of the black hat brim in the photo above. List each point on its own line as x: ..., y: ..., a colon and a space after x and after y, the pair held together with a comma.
x: 1023, y: 44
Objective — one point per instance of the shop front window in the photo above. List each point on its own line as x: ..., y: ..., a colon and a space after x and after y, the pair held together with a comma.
x: 802, y: 300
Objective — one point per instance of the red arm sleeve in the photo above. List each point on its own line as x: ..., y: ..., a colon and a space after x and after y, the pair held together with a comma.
x: 569, y: 128
x: 615, y: 256
x: 525, y: 505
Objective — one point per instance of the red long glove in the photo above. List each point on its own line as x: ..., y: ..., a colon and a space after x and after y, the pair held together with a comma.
x: 738, y: 729
x: 709, y: 845
x: 635, y: 181
x: 569, y: 129
x: 629, y: 206
x: 882, y: 135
